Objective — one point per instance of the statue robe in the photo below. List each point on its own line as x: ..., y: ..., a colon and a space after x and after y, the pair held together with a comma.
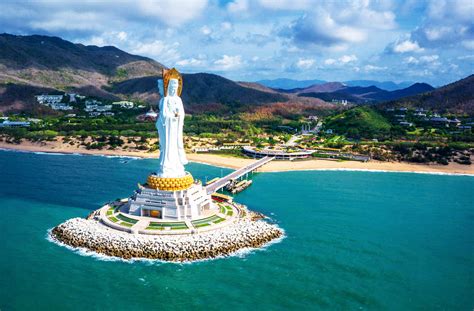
x: 170, y: 131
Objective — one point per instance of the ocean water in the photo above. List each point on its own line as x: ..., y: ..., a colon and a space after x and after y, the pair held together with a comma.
x: 354, y: 240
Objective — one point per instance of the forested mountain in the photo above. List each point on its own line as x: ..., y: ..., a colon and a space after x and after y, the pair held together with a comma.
x: 456, y: 97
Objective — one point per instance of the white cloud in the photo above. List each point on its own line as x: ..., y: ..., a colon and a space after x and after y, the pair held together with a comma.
x: 448, y: 23
x: 426, y: 59
x: 468, y: 44
x: 348, y: 58
x: 345, y: 59
x: 108, y: 38
x: 303, y: 63
x: 286, y: 4
x: 436, y: 33
x: 122, y: 36
x: 165, y: 52
x: 98, y: 15
x: 228, y: 62
x: 464, y: 57
x: 190, y: 62
x: 330, y: 61
x: 172, y: 12
x: 429, y: 58
x: 238, y: 6
x: 226, y: 26
x: 406, y: 46
x: 374, y: 68
x: 70, y: 20
x: 205, y: 30
x: 411, y: 60
x: 337, y: 24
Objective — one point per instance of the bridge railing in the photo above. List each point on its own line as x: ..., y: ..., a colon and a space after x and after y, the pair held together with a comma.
x: 221, y: 183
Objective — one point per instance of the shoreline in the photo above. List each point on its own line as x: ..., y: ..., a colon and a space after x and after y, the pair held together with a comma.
x: 274, y: 166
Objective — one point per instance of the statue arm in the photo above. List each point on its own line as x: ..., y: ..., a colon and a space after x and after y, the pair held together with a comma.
x: 160, y: 104
x: 162, y: 112
x: 161, y: 89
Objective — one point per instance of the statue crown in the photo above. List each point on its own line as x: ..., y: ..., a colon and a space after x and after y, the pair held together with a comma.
x: 169, y: 74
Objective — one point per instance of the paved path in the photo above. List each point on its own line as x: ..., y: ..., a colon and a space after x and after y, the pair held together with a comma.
x: 292, y: 141
x: 140, y: 225
x: 221, y: 183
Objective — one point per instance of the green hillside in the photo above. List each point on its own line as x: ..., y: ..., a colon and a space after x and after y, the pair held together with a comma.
x: 359, y: 122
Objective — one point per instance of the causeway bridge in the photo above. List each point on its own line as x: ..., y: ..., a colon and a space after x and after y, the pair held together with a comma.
x: 221, y: 183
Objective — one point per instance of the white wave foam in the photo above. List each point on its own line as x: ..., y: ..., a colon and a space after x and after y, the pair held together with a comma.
x: 117, y: 156
x: 371, y: 171
x: 82, y: 251
x: 72, y: 154
x: 50, y: 153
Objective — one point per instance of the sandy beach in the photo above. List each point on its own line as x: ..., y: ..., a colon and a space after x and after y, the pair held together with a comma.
x: 234, y: 162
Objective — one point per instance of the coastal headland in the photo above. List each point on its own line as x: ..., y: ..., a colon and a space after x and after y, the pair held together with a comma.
x: 237, y: 162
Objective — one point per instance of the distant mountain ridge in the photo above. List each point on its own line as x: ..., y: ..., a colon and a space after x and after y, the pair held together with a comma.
x: 358, y: 94
x: 384, y: 85
x: 290, y: 84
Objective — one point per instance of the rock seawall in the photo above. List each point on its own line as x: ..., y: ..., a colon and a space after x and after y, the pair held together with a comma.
x: 93, y: 235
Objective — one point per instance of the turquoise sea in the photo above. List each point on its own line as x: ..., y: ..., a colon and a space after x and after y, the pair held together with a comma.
x: 355, y: 240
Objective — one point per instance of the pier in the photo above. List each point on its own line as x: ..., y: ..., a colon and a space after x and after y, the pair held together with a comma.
x: 221, y: 183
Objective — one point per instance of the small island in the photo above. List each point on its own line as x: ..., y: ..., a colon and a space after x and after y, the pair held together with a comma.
x: 172, y: 216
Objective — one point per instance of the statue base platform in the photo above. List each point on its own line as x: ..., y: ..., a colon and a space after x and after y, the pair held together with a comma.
x: 179, y: 198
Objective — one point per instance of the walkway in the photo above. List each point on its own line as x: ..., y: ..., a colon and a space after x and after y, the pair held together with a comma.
x: 221, y: 183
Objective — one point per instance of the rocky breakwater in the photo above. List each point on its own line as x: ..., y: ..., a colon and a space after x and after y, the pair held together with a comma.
x: 93, y: 235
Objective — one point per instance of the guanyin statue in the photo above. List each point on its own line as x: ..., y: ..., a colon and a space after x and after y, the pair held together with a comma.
x: 170, y: 126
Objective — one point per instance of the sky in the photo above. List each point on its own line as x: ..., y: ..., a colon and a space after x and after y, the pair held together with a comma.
x: 385, y: 40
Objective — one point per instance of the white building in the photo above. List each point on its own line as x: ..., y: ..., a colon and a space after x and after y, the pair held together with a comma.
x: 60, y: 106
x: 124, y: 104
x: 340, y: 101
x: 53, y: 101
x: 9, y: 123
x: 94, y: 114
x: 95, y: 105
x: 49, y: 99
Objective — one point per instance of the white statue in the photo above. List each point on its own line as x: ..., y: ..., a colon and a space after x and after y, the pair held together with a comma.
x: 170, y: 128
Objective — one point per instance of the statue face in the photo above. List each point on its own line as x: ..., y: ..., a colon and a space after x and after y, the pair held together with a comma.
x: 173, y: 87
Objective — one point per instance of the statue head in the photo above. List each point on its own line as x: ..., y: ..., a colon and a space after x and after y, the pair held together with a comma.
x: 173, y: 86
x: 168, y: 76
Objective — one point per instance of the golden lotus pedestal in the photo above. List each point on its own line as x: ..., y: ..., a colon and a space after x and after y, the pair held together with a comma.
x: 170, y: 184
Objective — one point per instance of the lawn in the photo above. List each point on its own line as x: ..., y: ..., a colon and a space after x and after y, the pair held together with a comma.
x: 171, y: 225
x: 127, y: 219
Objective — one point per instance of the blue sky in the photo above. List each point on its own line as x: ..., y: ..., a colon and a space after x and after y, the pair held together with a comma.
x: 413, y: 40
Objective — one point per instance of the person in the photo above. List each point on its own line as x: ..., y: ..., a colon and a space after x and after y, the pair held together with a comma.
x: 170, y: 130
